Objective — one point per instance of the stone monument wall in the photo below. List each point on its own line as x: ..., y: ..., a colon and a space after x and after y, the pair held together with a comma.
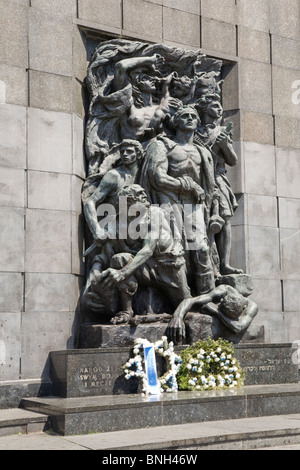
x: 45, y: 46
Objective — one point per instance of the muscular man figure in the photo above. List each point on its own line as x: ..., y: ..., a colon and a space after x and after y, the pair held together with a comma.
x: 180, y: 174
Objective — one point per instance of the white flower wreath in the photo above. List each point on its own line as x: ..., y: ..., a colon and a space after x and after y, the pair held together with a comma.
x: 134, y: 367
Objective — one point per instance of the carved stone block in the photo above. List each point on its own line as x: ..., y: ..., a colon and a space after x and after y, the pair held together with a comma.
x: 289, y: 212
x: 58, y: 7
x: 254, y: 14
x: 226, y: 11
x: 262, y: 210
x: 283, y: 80
x: 48, y: 292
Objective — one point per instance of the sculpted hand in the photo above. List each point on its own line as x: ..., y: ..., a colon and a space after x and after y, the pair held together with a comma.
x: 174, y: 104
x: 170, y: 105
x: 111, y: 277
x: 223, y: 140
x: 176, y: 330
x: 199, y: 193
x: 157, y: 61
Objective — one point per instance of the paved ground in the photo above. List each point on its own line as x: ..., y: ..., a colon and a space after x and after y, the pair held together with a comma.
x: 160, y: 437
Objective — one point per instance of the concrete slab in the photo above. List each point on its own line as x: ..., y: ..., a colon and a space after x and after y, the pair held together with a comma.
x: 39, y: 441
x: 269, y: 433
x: 196, y: 434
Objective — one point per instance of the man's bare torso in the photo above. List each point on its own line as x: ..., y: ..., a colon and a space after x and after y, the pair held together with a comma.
x: 185, y: 160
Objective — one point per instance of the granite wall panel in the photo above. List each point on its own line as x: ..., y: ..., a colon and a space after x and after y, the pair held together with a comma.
x: 106, y: 12
x: 285, y: 18
x: 14, y: 34
x: 47, y: 34
x: 49, y: 141
x: 13, y: 133
x: 181, y: 27
x: 254, y: 14
x: 225, y: 10
x: 50, y: 251
x: 218, y: 36
x: 14, y: 82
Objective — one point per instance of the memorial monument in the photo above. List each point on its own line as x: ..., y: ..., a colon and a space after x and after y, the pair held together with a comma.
x: 157, y: 200
x: 158, y: 206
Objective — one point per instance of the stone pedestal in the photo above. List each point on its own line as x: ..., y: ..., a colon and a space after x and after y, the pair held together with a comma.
x: 96, y: 372
x: 107, y: 414
x: 93, y: 335
x: 198, y: 327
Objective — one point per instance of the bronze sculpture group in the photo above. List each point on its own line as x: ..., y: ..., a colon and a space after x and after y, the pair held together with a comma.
x: 157, y: 200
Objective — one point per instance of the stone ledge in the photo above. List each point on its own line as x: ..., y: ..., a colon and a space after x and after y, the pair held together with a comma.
x: 240, y: 434
x: 15, y: 421
x: 71, y: 416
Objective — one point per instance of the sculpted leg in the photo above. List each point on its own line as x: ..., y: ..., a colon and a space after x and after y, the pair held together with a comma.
x: 125, y: 290
x: 223, y: 242
x: 203, y: 269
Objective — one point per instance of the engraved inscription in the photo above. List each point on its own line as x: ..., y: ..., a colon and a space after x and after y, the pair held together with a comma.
x: 97, y: 376
x: 269, y: 365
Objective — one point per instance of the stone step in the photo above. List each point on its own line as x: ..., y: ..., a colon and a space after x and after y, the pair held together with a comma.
x: 21, y: 421
x: 96, y: 414
x: 179, y: 441
x: 238, y: 434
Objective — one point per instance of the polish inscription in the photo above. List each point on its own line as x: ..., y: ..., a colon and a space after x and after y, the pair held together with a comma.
x: 98, y: 376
